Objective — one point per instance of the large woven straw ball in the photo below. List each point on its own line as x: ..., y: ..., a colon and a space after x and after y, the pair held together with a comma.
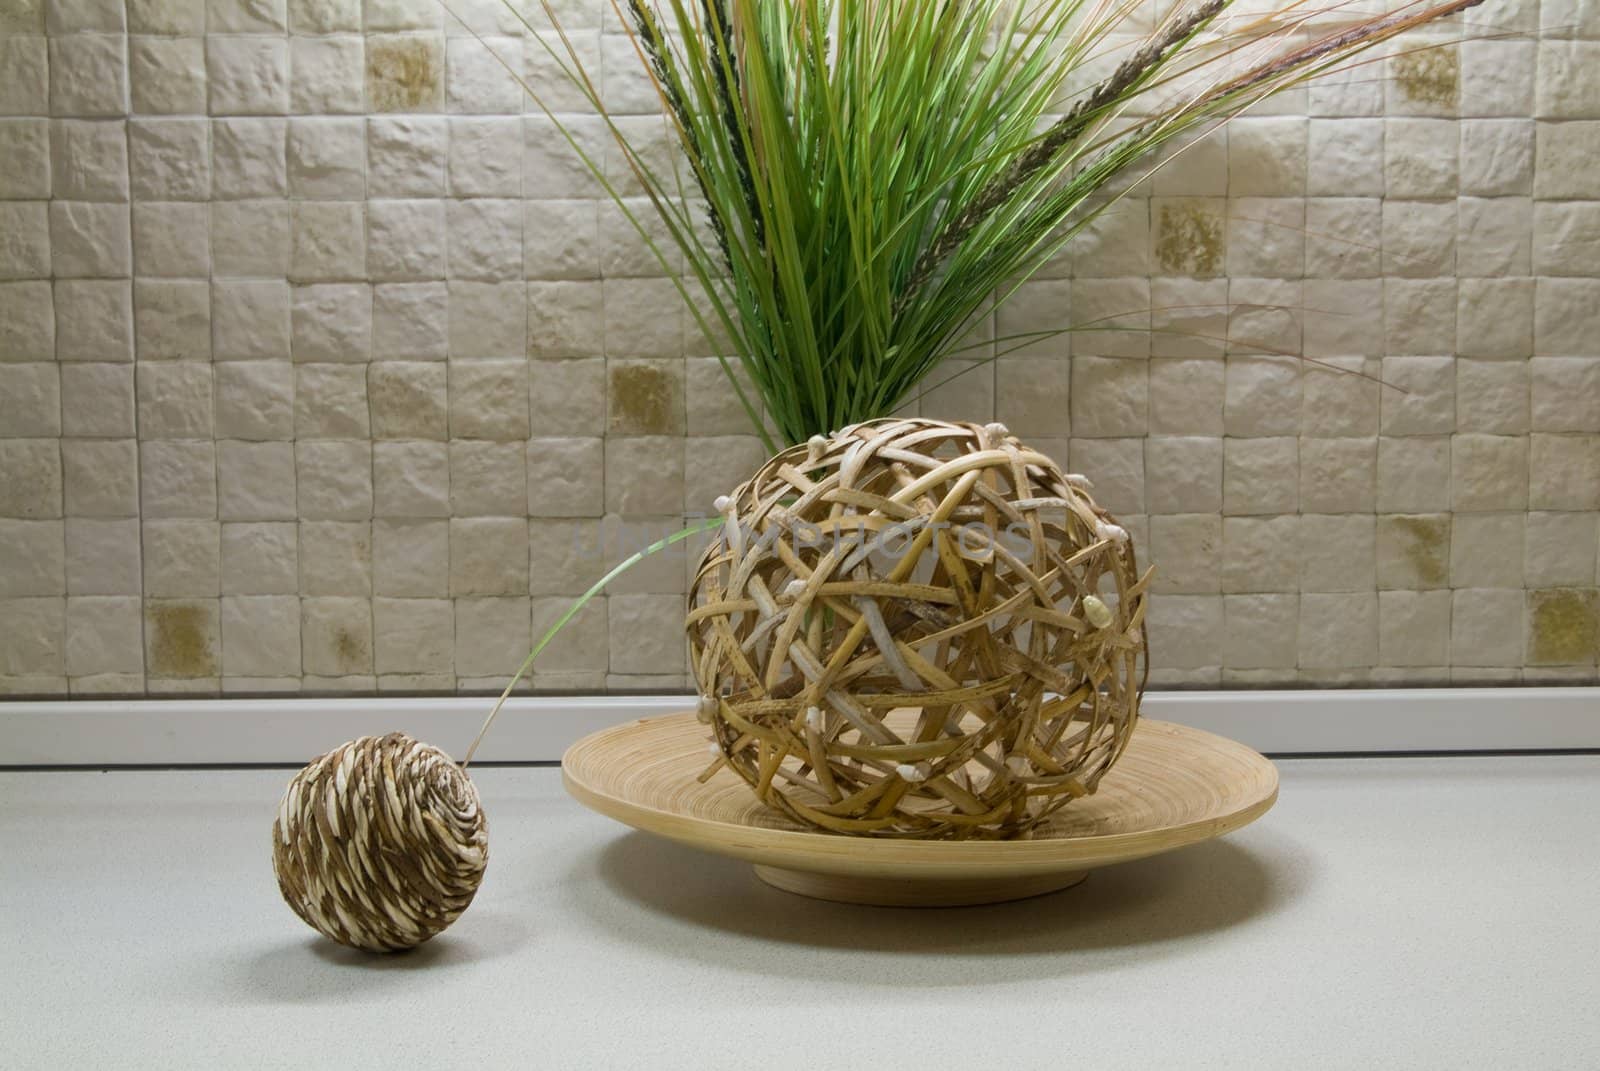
x: 380, y: 843
x: 948, y: 573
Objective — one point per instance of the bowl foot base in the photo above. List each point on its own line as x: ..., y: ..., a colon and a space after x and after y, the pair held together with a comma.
x: 926, y: 892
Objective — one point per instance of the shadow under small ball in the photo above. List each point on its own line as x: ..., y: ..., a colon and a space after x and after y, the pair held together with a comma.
x: 381, y: 843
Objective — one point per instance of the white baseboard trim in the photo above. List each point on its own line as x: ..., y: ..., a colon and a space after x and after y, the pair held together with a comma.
x: 289, y: 730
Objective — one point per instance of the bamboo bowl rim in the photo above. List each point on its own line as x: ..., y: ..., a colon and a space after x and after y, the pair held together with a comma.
x: 1174, y: 786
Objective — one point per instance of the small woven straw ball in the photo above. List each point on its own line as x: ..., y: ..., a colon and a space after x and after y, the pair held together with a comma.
x: 380, y: 843
x: 946, y: 572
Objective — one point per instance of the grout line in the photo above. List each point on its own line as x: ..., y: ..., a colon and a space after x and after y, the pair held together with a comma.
x: 61, y: 460
x: 133, y: 313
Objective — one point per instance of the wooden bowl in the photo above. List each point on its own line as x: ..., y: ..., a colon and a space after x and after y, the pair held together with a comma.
x: 1174, y: 786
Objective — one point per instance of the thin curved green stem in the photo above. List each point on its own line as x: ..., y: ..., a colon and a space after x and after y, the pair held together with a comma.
x: 572, y: 611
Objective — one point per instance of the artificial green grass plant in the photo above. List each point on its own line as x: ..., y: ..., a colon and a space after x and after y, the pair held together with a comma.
x: 860, y: 180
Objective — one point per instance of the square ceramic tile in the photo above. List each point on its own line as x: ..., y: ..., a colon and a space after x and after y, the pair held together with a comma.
x: 325, y: 75
x: 335, y: 558
x: 326, y: 158
x: 1560, y: 549
x: 88, y: 74
x: 406, y: 155
x: 1414, y: 550
x: 1486, y: 550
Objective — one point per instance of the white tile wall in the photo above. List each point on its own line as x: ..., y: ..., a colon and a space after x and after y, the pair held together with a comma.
x: 323, y: 368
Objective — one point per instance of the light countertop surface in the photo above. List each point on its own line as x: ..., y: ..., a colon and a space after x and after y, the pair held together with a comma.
x: 1387, y: 913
